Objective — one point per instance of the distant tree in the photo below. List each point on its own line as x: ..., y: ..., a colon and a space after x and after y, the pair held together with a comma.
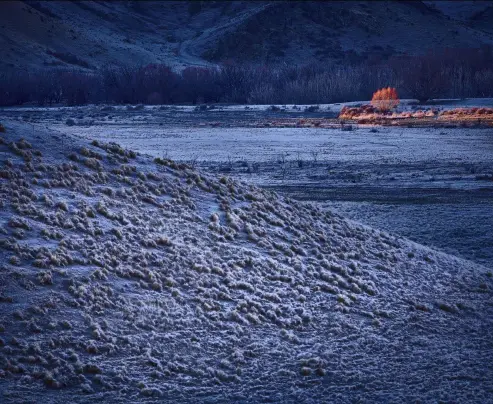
x: 424, y: 77
x: 385, y: 99
x: 446, y: 73
x: 200, y: 84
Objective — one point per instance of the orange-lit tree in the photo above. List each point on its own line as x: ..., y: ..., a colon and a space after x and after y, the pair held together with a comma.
x: 385, y: 99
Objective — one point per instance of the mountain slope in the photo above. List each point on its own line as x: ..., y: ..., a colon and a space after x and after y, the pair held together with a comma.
x: 483, y: 19
x: 90, y: 34
x: 460, y: 10
x: 297, y: 31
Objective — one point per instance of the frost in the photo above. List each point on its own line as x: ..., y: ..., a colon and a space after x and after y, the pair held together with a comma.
x: 154, y: 279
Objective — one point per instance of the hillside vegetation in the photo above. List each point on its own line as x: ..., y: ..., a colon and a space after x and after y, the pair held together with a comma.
x: 124, y: 277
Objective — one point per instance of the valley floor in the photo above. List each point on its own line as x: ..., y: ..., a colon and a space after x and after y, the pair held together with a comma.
x: 434, y: 186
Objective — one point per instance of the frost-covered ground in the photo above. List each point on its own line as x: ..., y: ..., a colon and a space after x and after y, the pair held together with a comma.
x: 123, y: 279
x: 434, y: 186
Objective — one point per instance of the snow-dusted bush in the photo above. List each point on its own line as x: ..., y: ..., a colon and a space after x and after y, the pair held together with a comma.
x: 92, y: 163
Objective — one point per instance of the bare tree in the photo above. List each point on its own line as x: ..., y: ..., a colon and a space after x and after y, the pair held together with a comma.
x: 424, y: 77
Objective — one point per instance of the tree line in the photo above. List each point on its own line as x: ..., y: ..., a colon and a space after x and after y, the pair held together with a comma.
x: 452, y: 73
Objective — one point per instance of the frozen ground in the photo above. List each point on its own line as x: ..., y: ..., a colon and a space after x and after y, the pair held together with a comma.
x: 434, y: 186
x: 125, y: 280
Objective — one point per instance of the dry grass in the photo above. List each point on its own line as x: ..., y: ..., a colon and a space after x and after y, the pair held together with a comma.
x: 368, y: 114
x: 468, y: 113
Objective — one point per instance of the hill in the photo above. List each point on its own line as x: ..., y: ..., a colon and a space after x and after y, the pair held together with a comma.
x: 90, y: 34
x: 124, y: 277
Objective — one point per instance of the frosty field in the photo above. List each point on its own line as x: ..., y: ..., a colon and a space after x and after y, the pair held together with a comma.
x: 125, y: 278
x: 434, y: 186
x: 170, y: 233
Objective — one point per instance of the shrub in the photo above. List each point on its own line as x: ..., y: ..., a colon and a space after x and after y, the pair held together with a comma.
x: 366, y: 111
x: 312, y: 108
x: 92, y: 163
x: 385, y: 99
